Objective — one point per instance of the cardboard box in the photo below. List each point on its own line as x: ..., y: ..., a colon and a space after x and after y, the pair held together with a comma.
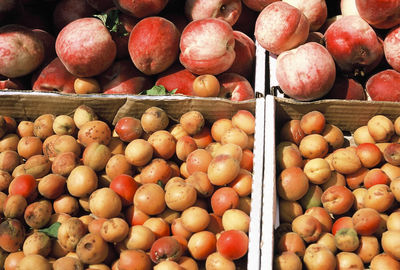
x: 345, y: 114
x: 25, y: 105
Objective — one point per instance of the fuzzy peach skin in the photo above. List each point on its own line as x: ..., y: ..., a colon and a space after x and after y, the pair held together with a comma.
x: 154, y: 44
x: 54, y: 77
x: 228, y: 10
x: 245, y: 50
x: 177, y: 77
x: 85, y: 47
x: 307, y: 72
x: 281, y: 27
x: 391, y: 47
x: 122, y: 77
x: 382, y: 14
x: 316, y: 11
x: 207, y: 46
x: 384, y: 86
x: 258, y: 5
x: 346, y: 88
x: 235, y: 87
x: 21, y: 51
x: 354, y: 45
x: 141, y: 8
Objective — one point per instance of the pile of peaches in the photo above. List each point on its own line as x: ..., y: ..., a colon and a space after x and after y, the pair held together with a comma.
x: 147, y: 193
x: 346, y: 49
x: 338, y: 195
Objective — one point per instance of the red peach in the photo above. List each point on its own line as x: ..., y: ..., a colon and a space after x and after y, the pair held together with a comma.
x: 366, y: 221
x: 122, y: 77
x: 281, y: 27
x: 49, y: 42
x: 323, y: 217
x: 354, y: 45
x: 177, y: 77
x: 316, y: 11
x: 341, y: 223
x: 245, y: 51
x: 307, y: 72
x: 141, y: 8
x: 378, y: 13
x: 55, y: 77
x: 391, y: 48
x: 337, y: 199
x: 235, y: 87
x: 148, y: 54
x: 22, y: 51
x: 356, y: 179
x: 376, y: 176
x: 228, y: 10
x: 207, y: 46
x: 382, y: 86
x: 369, y: 154
x: 85, y: 47
x: 346, y: 88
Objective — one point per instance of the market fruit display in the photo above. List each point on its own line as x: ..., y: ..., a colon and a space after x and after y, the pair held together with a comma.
x: 127, y: 47
x: 337, y: 194
x: 150, y: 191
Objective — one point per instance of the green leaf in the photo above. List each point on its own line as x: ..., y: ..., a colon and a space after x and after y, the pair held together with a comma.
x: 51, y: 231
x: 111, y: 20
x: 158, y: 90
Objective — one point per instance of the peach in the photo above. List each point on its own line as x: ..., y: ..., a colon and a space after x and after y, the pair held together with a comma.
x: 346, y: 260
x: 392, y: 49
x: 225, y: 10
x: 354, y: 45
x: 281, y: 27
x: 342, y: 223
x: 369, y: 154
x: 18, y: 60
x: 379, y: 197
x: 345, y: 161
x: 334, y: 136
x: 291, y: 131
x: 369, y: 247
x: 347, y: 239
x: 307, y: 72
x: 316, y: 11
x: 235, y: 87
x: 122, y: 77
x: 289, y: 210
x: 313, y: 146
x: 318, y: 256
x: 141, y: 9
x: 337, y: 199
x: 391, y: 170
x: 287, y: 260
x: 207, y: 46
x: 379, y: 14
x: 366, y: 221
x: 312, y: 198
x: 83, y: 53
x: 317, y: 170
x: 148, y: 54
x: 381, y: 128
x: 346, y: 88
x: 288, y: 155
x: 292, y: 184
x: 384, y: 261
x: 245, y: 51
x: 375, y: 176
x: 382, y: 86
x: 291, y: 241
x: 356, y: 179
x: 322, y: 215
x: 177, y: 77
x: 308, y: 227
x: 390, y: 243
x: 362, y: 135
x: 328, y: 240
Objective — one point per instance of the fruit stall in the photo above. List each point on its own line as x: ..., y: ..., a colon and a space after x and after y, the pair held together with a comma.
x: 199, y: 134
